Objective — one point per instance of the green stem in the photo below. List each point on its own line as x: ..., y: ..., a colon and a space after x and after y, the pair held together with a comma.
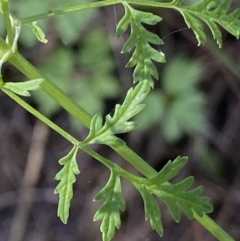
x: 41, y: 117
x: 68, y: 137
x: 10, y: 32
x: 51, y: 89
x: 93, y: 5
x: 69, y: 10
x: 213, y: 228
x: 151, y: 3
x: 63, y: 133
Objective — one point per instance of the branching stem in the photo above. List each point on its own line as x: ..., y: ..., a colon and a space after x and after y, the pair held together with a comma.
x: 77, y: 111
x: 65, y: 134
x: 29, y: 70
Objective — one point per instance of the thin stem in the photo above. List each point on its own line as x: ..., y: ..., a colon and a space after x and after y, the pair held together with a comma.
x: 93, y: 5
x: 63, y: 133
x: 120, y: 171
x: 69, y: 10
x: 10, y: 32
x: 152, y: 3
x: 40, y: 116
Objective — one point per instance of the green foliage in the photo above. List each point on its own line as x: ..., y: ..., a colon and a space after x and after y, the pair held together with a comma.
x: 119, y: 122
x: 22, y: 88
x: 139, y: 39
x: 174, y: 196
x: 67, y: 177
x: 177, y: 194
x: 179, y: 107
x: 109, y: 211
x: 212, y: 13
x: 188, y: 200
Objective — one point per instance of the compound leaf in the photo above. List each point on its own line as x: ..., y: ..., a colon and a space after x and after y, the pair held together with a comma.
x: 22, y: 88
x: 119, y: 122
x: 139, y: 39
x: 213, y: 13
x: 177, y: 195
x: 109, y: 211
x: 67, y: 177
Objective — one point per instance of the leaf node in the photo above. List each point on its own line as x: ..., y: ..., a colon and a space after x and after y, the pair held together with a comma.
x: 119, y: 122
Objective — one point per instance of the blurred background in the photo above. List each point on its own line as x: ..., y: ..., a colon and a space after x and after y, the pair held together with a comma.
x: 193, y: 111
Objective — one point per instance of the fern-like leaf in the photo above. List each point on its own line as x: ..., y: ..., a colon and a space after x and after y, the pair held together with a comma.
x: 140, y: 39
x: 22, y: 88
x: 213, y: 13
x: 119, y: 122
x: 177, y: 194
x: 174, y: 196
x: 67, y: 177
x: 109, y: 211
